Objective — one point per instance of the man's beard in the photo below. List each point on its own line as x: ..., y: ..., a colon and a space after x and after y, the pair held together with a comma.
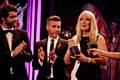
x: 10, y: 25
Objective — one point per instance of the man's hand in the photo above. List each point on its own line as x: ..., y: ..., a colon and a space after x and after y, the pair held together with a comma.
x: 19, y: 49
x: 41, y: 54
x: 52, y: 56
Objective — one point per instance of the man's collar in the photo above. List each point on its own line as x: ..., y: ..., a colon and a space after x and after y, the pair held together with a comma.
x: 7, y: 29
x: 50, y: 38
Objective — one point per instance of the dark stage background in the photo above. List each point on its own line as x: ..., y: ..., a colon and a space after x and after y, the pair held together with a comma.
x: 69, y: 10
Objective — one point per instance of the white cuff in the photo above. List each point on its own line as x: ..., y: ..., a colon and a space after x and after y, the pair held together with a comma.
x: 12, y: 54
x: 40, y: 62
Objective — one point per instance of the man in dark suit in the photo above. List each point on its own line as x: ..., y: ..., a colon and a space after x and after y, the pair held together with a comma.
x: 49, y: 53
x: 14, y: 46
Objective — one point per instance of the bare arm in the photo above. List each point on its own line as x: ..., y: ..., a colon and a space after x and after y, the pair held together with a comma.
x: 101, y: 45
x: 67, y: 58
x: 115, y: 55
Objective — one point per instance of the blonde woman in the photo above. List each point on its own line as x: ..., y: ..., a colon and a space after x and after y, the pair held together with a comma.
x: 87, y: 36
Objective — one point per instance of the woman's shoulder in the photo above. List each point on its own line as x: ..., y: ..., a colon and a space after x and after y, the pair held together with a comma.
x: 100, y: 39
x: 74, y: 37
x: 99, y: 36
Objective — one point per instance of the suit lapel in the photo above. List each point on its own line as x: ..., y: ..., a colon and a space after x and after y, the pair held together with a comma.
x: 5, y: 42
x: 59, y: 44
x: 4, y: 39
x: 58, y: 47
x: 45, y: 48
x: 45, y: 45
x: 16, y: 39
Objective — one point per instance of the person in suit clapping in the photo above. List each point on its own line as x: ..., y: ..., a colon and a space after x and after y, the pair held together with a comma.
x: 49, y: 53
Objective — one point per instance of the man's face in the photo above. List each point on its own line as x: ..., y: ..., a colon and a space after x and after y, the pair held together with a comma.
x: 53, y: 28
x: 10, y: 21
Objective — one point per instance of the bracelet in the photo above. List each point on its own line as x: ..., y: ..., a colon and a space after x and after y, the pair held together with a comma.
x: 89, y: 60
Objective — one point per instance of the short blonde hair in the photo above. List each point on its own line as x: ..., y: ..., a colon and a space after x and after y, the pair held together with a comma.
x: 53, y: 18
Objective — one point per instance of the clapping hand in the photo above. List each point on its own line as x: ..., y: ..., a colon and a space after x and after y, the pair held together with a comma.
x: 41, y: 54
x: 19, y: 49
x: 52, y: 56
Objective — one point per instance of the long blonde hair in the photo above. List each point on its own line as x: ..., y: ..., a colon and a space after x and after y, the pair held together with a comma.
x: 93, y: 27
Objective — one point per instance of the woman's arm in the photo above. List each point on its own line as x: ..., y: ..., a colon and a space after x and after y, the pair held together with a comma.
x: 67, y: 57
x: 101, y: 45
x: 115, y: 55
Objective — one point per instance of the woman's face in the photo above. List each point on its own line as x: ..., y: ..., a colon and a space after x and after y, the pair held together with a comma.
x: 85, y: 22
